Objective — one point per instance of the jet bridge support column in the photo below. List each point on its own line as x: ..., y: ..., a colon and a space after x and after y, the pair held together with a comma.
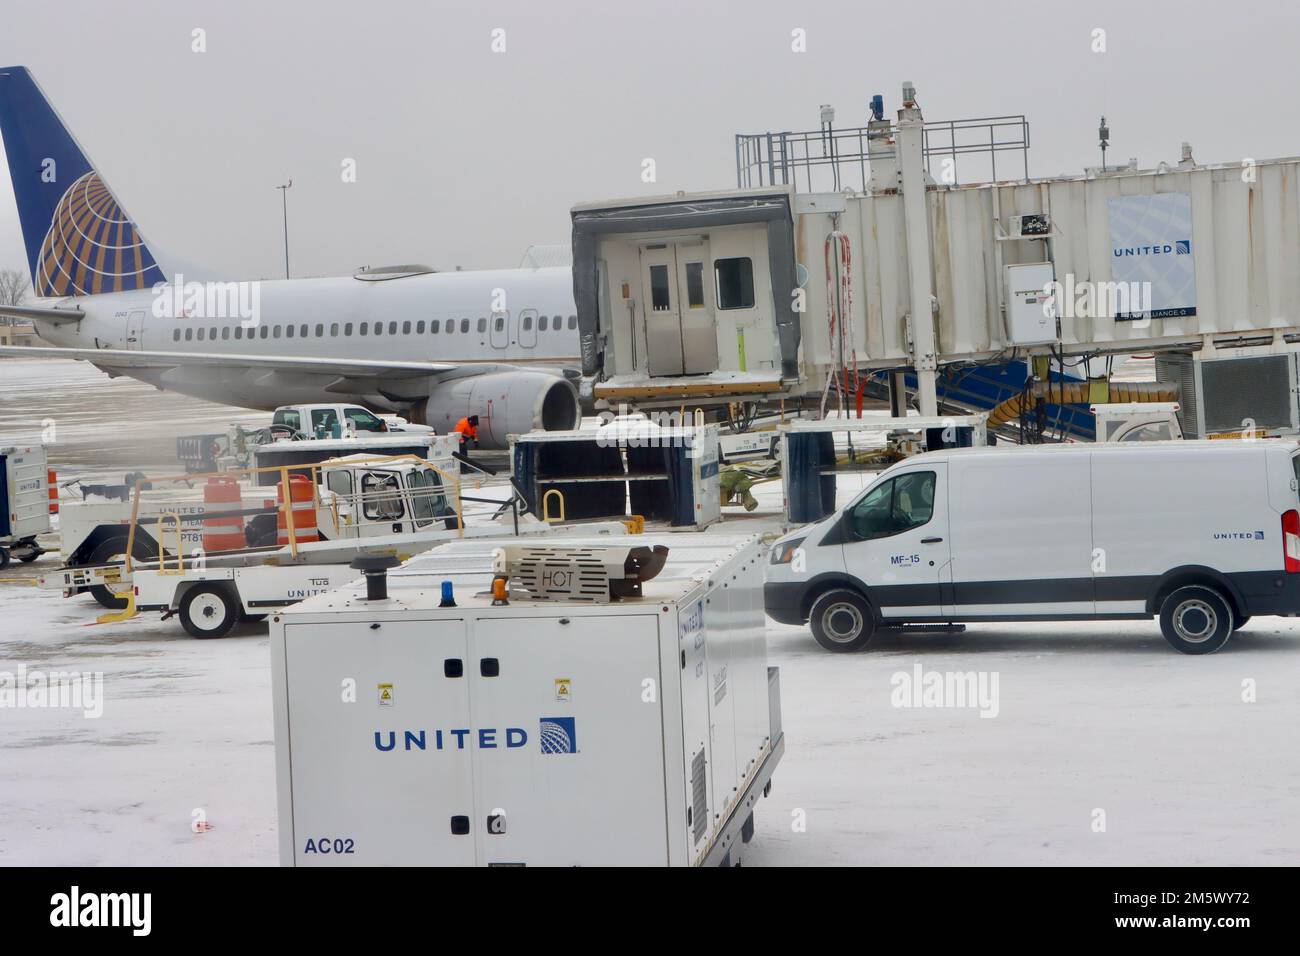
x: 916, y: 221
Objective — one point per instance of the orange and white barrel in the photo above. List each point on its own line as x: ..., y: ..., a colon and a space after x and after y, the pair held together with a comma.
x: 303, y: 495
x: 222, y: 532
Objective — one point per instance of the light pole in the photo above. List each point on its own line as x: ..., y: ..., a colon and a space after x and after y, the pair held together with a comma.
x: 284, y: 202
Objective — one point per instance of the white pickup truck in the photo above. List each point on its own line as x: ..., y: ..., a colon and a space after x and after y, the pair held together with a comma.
x: 337, y: 421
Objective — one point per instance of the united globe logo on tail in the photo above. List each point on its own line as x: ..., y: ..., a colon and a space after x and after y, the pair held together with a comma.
x: 92, y: 246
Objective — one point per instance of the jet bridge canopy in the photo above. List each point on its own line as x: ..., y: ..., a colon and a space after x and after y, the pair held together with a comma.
x: 687, y: 298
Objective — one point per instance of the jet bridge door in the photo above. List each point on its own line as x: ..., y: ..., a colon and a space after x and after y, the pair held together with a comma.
x: 680, y: 327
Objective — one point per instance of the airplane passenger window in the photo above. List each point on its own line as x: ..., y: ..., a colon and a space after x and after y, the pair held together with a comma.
x: 265, y: 330
x: 347, y: 328
x: 735, y: 282
x: 320, y: 330
x: 573, y: 321
x: 176, y: 335
x: 225, y: 332
x: 451, y: 326
x: 379, y: 328
x: 288, y: 331
x: 201, y: 331
x: 464, y: 325
x: 527, y: 323
x: 433, y: 326
x: 239, y: 331
x: 419, y: 327
x: 189, y: 335
x: 275, y: 331
x: 334, y: 330
x: 541, y: 323
x: 392, y: 328
x: 500, y: 323
x: 212, y: 333
x: 482, y: 325
x: 363, y: 328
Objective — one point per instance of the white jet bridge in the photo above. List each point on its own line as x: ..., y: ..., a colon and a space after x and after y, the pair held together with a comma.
x: 800, y: 284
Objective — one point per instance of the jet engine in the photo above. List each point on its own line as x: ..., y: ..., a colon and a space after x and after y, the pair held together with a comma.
x: 506, y: 403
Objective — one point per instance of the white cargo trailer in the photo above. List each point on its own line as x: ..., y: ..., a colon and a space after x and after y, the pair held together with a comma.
x: 24, y: 502
x: 542, y: 729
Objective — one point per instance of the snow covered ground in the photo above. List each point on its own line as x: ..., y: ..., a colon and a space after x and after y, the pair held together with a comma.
x: 1089, y: 717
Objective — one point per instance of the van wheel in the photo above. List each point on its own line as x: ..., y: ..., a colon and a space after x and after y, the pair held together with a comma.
x: 841, y: 621
x: 209, y: 610
x: 1196, y: 620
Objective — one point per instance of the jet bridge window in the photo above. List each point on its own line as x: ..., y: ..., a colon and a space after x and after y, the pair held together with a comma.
x: 659, y: 299
x: 735, y: 282
x: 895, y: 506
x: 381, y: 497
x: 695, y: 285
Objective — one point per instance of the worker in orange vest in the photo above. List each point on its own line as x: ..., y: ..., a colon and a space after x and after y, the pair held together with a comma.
x: 467, y: 428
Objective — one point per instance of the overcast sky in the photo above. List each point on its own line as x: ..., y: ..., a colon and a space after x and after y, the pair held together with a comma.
x: 466, y: 157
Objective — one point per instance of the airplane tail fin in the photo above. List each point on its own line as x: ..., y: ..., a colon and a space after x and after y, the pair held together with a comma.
x: 79, y: 239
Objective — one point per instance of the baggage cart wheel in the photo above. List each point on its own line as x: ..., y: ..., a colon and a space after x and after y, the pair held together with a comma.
x: 4, y: 557
x: 209, y: 610
x: 841, y: 620
x: 1196, y: 619
x: 113, y: 551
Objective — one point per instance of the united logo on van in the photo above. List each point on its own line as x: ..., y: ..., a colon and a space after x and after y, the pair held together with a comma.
x: 1238, y: 536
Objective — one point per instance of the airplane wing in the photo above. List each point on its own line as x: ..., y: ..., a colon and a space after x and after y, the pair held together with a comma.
x: 350, y: 368
x: 397, y: 381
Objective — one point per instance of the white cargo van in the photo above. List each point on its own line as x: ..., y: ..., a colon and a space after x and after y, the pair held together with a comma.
x: 1202, y: 534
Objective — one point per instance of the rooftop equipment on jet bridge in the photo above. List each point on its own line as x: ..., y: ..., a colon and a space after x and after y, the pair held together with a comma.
x: 492, y: 730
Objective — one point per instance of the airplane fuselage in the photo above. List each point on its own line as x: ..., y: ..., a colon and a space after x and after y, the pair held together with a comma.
x: 519, y: 317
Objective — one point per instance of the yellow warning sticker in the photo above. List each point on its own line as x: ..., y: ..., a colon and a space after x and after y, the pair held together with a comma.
x: 563, y: 688
x: 385, y: 695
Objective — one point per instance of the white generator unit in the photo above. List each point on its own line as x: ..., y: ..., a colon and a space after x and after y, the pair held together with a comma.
x: 422, y: 720
x: 24, y: 502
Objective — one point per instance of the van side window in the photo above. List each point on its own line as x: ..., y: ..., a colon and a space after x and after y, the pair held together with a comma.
x: 898, y: 505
